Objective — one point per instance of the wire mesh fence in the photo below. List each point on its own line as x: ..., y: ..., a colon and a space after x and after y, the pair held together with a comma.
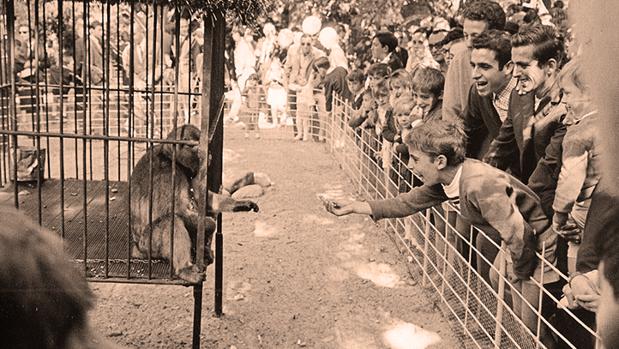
x: 465, y: 267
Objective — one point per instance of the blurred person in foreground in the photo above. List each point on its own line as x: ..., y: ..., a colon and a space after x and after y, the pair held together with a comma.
x: 45, y: 300
x: 597, y: 27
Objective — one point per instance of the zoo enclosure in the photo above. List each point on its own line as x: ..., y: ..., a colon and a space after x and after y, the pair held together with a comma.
x: 86, y: 88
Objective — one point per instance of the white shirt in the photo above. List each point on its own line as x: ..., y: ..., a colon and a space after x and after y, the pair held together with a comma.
x: 452, y: 190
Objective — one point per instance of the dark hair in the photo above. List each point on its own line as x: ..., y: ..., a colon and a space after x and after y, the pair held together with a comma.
x: 44, y: 298
x: 428, y: 80
x: 321, y: 62
x: 379, y: 69
x: 453, y: 35
x: 487, y: 11
x: 548, y: 45
x: 439, y: 137
x: 497, y: 41
x: 387, y: 39
x: 356, y: 76
x: 558, y: 4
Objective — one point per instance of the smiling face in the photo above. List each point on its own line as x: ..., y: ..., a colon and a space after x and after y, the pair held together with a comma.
x: 531, y: 76
x: 488, y: 77
x: 472, y: 29
x: 425, y: 100
x: 424, y: 166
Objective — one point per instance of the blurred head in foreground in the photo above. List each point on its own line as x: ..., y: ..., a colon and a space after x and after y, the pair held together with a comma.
x: 595, y: 30
x: 44, y: 300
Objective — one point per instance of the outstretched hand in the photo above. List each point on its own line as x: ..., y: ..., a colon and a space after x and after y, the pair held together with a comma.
x: 339, y: 207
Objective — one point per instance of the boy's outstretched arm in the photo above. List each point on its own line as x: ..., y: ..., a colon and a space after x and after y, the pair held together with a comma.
x: 341, y: 208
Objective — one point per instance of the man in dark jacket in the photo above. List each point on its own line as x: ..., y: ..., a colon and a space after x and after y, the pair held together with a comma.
x: 383, y: 49
x: 489, y: 95
x: 533, y: 131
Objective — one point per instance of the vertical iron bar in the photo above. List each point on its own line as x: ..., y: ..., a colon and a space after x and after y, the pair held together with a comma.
x: 46, y: 92
x: 130, y: 126
x: 61, y: 115
x: 149, y: 135
x: 219, y: 267
x: 4, y: 78
x: 177, y: 18
x: 32, y: 91
x: 197, y: 315
x: 74, y: 78
x: 118, y: 75
x: 37, y: 56
x: 161, y: 63
x: 107, y: 48
x: 10, y: 9
x: 84, y: 129
x: 216, y: 67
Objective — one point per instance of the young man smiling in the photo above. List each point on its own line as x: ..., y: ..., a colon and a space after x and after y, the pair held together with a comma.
x: 489, y: 95
x: 532, y: 134
x: 478, y: 16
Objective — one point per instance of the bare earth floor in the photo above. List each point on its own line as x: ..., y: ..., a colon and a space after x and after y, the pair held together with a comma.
x: 295, y: 276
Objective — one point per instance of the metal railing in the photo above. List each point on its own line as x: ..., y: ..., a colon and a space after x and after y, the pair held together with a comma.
x: 481, y: 309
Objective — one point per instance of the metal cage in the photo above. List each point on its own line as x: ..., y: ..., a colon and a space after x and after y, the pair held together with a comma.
x: 85, y: 89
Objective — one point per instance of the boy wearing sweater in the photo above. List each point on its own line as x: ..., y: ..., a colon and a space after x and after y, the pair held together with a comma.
x: 488, y: 198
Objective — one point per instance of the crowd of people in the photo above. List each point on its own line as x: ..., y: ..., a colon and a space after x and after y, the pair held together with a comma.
x: 489, y: 108
x: 486, y: 102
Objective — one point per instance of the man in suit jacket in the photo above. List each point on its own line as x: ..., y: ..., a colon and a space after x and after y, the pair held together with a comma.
x: 533, y: 131
x: 489, y: 95
x: 383, y: 50
x: 478, y: 17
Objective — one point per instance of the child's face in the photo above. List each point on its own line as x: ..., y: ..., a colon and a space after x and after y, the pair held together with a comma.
x: 398, y: 89
x: 425, y: 101
x: 251, y: 82
x: 382, y: 99
x: 404, y: 118
x: 355, y: 86
x: 375, y: 80
x: 424, y: 166
x: 577, y: 102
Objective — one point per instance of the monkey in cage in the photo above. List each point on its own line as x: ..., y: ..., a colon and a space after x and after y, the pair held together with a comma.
x: 184, y: 218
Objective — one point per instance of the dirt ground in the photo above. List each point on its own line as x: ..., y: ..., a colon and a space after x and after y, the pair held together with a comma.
x: 294, y: 275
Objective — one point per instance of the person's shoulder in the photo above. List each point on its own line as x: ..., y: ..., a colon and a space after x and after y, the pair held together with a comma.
x: 478, y: 174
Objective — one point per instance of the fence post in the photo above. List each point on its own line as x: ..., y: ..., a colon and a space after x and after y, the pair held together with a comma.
x: 426, y: 239
x: 501, y: 294
x: 538, y: 333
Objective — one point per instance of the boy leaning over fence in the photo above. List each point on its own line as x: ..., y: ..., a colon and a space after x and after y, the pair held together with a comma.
x: 488, y: 197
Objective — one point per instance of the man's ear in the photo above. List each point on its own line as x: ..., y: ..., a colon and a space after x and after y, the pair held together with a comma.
x: 552, y: 66
x: 440, y: 161
x: 508, y: 68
